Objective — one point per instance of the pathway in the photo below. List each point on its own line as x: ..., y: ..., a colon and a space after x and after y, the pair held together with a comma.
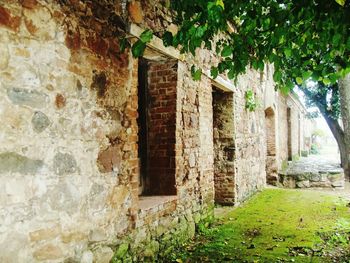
x: 320, y: 171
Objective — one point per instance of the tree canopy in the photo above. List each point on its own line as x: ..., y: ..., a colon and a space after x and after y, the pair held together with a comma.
x: 303, y: 39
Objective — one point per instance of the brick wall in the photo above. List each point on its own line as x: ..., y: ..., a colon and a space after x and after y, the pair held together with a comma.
x: 161, y: 105
x: 270, y: 132
x: 271, y: 158
x: 224, y: 147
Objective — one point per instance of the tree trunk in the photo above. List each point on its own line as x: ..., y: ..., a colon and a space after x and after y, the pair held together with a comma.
x: 337, y: 131
x: 344, y: 92
x: 338, y: 134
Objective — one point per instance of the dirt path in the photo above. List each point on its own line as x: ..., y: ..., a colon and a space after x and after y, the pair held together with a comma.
x: 276, y: 225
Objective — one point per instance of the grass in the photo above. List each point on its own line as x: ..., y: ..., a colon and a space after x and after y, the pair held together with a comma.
x: 276, y: 225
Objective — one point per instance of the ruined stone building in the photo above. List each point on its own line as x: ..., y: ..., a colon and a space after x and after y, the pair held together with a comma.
x: 106, y: 156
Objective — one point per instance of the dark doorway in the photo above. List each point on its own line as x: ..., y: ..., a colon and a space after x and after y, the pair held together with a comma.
x: 142, y: 124
x: 224, y: 147
x: 271, y: 162
x: 157, y: 121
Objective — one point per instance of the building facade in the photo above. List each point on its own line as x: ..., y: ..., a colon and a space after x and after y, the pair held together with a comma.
x: 104, y: 156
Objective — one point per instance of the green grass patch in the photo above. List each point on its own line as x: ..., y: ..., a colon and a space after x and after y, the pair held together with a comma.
x: 276, y: 225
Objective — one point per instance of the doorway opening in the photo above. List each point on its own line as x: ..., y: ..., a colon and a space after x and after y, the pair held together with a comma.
x: 224, y: 147
x: 157, y: 82
x: 271, y: 162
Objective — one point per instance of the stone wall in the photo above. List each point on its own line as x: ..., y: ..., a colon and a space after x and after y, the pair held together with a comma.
x: 313, y: 172
x: 69, y: 164
x: 69, y: 158
x: 294, y: 132
x: 68, y: 135
x: 286, y: 115
x: 282, y: 131
x: 250, y: 140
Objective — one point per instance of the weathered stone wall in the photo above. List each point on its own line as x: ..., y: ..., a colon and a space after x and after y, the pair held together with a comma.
x: 68, y: 156
x: 250, y: 141
x: 69, y: 163
x: 293, y: 129
x: 68, y: 136
x: 294, y: 132
x: 282, y: 156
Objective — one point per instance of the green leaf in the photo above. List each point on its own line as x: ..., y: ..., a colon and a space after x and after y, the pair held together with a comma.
x: 231, y: 74
x: 167, y: 38
x: 341, y: 2
x: 316, y: 75
x: 266, y: 22
x: 123, y: 44
x: 287, y: 52
x: 277, y: 76
x: 214, y: 72
x: 196, y: 73
x: 284, y: 89
x: 336, y: 39
x: 220, y: 3
x: 261, y: 65
x: 138, y: 48
x: 326, y: 81
x: 307, y: 74
x: 146, y: 36
x: 333, y: 78
x: 226, y: 51
x: 299, y: 80
x: 348, y: 43
x: 255, y: 64
x: 200, y: 31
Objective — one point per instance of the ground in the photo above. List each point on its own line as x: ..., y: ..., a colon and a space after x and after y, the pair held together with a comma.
x: 318, y: 171
x: 277, y: 225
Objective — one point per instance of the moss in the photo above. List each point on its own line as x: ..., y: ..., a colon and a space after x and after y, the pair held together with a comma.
x: 121, y: 251
x: 295, y: 157
x: 304, y: 153
x: 275, y: 226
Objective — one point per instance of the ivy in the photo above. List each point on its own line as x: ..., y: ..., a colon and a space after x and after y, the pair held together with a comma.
x: 196, y: 73
x: 250, y: 100
x: 140, y: 45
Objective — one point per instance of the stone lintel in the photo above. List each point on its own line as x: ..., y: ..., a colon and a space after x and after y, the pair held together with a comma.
x: 221, y: 83
x: 156, y: 44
